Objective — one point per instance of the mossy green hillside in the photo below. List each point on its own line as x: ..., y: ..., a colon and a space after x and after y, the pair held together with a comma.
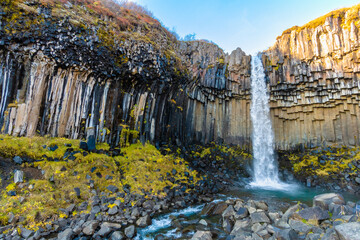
x: 142, y: 168
x: 326, y: 162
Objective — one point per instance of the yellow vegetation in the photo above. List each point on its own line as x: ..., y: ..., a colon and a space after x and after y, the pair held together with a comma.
x: 142, y: 168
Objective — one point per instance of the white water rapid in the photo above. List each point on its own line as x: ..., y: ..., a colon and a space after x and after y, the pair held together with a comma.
x: 265, y: 168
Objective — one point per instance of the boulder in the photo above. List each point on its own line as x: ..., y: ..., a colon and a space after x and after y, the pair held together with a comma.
x: 208, y: 209
x: 114, y: 210
x: 26, y: 233
x: 117, y: 235
x: 291, y: 210
x: 229, y: 211
x: 313, y: 213
x: 202, y: 235
x: 261, y: 205
x: 144, y: 221
x: 259, y: 217
x: 348, y: 231
x: 67, y: 234
x: 241, y: 226
x: 241, y: 213
x: 324, y: 200
x: 299, y: 226
x: 90, y: 227
x: 106, y: 228
x: 219, y: 208
x: 130, y: 231
x: 286, y: 234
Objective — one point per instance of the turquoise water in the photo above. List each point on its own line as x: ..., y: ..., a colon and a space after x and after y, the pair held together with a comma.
x: 278, y: 200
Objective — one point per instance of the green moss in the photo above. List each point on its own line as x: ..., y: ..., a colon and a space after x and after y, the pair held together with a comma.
x: 142, y: 168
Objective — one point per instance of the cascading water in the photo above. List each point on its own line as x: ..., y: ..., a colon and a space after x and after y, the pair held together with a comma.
x: 265, y: 168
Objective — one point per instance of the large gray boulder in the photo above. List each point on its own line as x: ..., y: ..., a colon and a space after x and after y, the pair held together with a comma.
x: 90, y: 227
x: 324, y: 200
x: 130, y: 231
x: 259, y: 217
x: 144, y: 221
x: 106, y: 228
x: 313, y: 213
x: 348, y: 231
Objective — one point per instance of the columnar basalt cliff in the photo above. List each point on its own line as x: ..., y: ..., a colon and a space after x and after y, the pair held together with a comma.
x: 314, y: 75
x: 64, y: 78
x: 72, y: 70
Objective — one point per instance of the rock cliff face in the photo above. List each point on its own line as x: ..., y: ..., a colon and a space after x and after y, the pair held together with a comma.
x: 59, y: 79
x: 314, y: 75
x: 87, y: 75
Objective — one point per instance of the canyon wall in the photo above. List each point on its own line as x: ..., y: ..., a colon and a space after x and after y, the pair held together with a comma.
x: 62, y: 78
x: 314, y: 74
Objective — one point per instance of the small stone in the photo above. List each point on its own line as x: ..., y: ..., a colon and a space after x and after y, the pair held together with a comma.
x: 114, y: 210
x: 112, y: 188
x: 53, y: 148
x: 18, y: 160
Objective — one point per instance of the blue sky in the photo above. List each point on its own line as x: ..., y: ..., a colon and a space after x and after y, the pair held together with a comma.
x: 252, y: 25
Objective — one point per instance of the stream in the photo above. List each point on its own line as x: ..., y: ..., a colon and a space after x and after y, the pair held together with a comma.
x: 277, y: 200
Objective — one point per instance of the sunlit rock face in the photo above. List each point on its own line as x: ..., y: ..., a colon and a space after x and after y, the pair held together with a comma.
x: 314, y: 83
x: 61, y: 80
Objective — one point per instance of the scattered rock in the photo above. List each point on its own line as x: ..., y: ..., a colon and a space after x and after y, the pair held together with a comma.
x: 259, y: 217
x: 143, y: 221
x: 90, y: 227
x: 112, y: 188
x: 324, y: 200
x: 117, y: 235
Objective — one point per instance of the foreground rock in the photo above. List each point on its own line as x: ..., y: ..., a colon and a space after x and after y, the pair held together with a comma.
x: 248, y: 220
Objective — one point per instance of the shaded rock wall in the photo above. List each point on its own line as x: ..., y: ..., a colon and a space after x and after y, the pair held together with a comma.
x: 211, y: 103
x: 314, y: 82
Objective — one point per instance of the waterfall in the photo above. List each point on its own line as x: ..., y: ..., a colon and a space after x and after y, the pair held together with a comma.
x: 265, y: 170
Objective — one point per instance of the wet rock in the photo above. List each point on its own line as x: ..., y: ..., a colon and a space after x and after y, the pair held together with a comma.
x: 130, y: 231
x: 53, y: 148
x: 18, y: 176
x: 144, y: 221
x: 259, y: 217
x: 83, y: 145
x: 203, y: 222
x: 18, y: 160
x: 219, y: 208
x: 324, y: 200
x: 348, y: 231
x: 202, y: 235
x: 90, y: 227
x: 66, y: 234
x: 208, y: 209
